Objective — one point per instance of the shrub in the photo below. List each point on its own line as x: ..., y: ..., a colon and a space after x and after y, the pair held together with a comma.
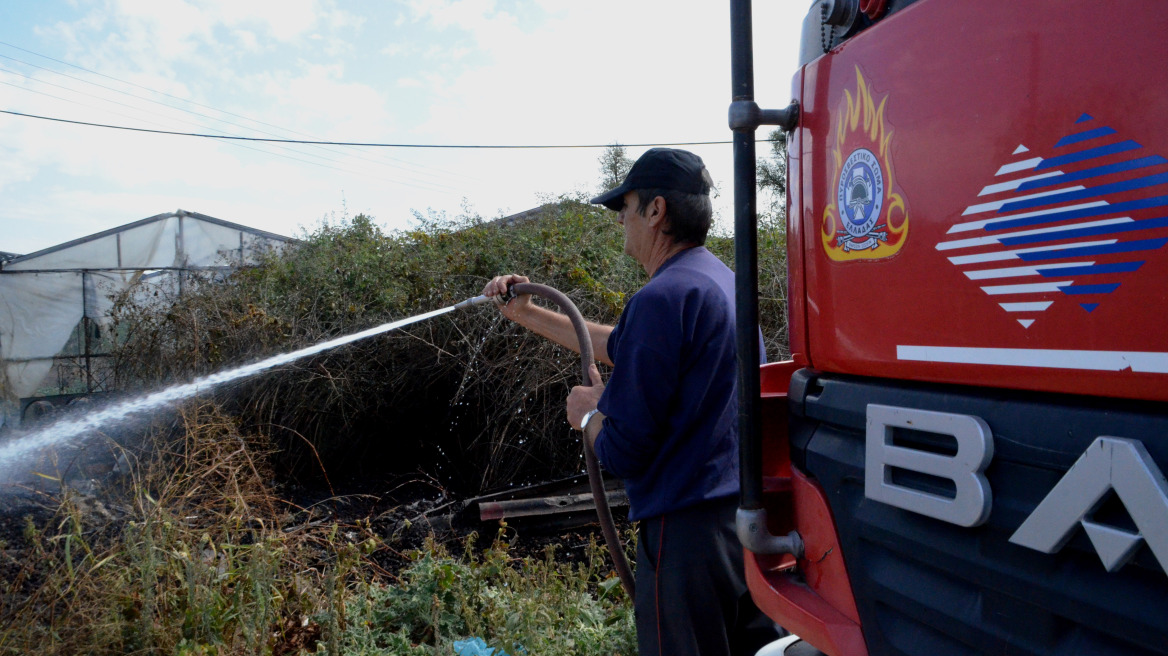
x: 469, y: 398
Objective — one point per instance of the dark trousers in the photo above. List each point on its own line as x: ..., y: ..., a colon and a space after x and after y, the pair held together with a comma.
x: 692, y: 598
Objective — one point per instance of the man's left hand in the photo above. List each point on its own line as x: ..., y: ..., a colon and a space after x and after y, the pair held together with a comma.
x: 582, y: 399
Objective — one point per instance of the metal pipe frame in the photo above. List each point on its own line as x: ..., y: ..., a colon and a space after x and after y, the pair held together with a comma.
x: 153, y: 219
x: 744, y: 119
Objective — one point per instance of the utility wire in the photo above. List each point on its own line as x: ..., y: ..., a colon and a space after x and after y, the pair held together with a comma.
x: 408, y: 164
x: 240, y: 145
x: 364, y: 143
x: 410, y: 167
x: 188, y: 111
x: 110, y: 77
x: 337, y: 165
x: 441, y: 189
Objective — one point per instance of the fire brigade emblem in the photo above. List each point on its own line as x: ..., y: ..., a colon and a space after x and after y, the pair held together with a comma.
x: 860, y: 197
x: 867, y: 218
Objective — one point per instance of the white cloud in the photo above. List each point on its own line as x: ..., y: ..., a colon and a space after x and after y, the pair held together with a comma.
x: 394, y: 49
x: 14, y: 170
x: 247, y: 40
x: 318, y: 100
x: 566, y: 76
x: 154, y: 34
x: 340, y: 19
x: 172, y: 22
x: 437, y: 71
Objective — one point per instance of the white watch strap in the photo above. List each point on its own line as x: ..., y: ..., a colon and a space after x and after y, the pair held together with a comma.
x: 587, y: 418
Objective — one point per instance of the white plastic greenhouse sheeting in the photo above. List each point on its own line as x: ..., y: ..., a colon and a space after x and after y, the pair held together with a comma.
x: 44, y: 295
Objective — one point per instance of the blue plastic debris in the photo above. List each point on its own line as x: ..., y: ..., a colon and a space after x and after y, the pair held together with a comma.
x: 475, y: 647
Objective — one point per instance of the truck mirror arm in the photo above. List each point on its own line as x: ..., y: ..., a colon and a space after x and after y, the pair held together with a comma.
x: 746, y: 115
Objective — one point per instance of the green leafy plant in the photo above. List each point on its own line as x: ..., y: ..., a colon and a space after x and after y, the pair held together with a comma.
x: 520, y: 606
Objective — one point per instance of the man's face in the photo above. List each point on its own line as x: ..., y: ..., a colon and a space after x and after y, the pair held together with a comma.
x: 636, y: 226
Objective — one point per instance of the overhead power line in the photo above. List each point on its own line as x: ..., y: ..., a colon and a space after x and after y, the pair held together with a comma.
x: 357, y: 143
x: 145, y: 88
x: 438, y: 188
x: 410, y: 168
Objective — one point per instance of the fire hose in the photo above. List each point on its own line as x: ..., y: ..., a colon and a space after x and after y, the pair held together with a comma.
x: 595, y: 478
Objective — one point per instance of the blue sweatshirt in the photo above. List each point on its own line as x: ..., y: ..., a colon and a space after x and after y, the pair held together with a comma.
x: 671, y: 406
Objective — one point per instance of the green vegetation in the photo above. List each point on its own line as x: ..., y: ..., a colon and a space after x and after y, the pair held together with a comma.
x: 197, y: 555
x: 198, y: 552
x: 486, y: 394
x: 535, y: 606
x: 614, y: 167
x: 772, y: 177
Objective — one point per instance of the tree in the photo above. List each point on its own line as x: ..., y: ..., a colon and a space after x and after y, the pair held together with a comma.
x: 614, y: 166
x: 772, y: 173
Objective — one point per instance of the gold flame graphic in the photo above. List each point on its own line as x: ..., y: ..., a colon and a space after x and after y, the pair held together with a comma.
x: 861, y: 125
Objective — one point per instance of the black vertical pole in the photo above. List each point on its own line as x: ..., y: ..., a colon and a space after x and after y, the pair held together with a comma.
x: 180, y: 254
x: 746, y: 261
x: 85, y: 281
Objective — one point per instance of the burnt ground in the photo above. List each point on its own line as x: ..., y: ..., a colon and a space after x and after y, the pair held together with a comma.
x: 398, y: 511
x: 394, y: 514
x: 404, y: 513
x: 401, y: 515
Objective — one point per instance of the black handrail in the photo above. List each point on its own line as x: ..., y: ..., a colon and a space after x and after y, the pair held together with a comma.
x: 745, y: 118
x: 746, y: 256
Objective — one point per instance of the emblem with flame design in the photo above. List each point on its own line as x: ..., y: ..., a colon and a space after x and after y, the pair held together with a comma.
x: 867, y: 219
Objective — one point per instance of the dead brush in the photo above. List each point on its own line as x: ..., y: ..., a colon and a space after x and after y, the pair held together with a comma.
x: 194, y: 561
x: 469, y: 399
x: 219, y: 475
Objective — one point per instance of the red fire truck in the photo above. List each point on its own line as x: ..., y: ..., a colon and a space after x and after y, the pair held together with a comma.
x: 967, y: 454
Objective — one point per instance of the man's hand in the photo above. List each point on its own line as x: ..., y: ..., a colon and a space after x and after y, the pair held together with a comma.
x: 583, y: 399
x: 498, y: 287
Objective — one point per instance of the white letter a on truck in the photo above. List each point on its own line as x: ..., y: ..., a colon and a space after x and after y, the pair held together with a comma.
x: 1110, y: 463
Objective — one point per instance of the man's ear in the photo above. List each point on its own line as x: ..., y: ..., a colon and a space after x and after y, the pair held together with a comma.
x: 655, y: 211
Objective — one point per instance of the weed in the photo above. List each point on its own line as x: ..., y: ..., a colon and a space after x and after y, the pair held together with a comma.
x: 519, y: 605
x: 200, y: 559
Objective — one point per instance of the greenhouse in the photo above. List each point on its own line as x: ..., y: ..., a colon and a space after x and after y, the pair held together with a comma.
x: 55, y: 303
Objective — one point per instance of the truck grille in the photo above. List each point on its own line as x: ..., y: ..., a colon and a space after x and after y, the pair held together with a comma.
x: 925, y: 587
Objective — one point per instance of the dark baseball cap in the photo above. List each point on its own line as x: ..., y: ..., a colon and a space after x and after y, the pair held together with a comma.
x: 660, y: 168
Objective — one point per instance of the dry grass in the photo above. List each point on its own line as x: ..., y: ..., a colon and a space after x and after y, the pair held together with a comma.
x: 188, y: 552
x: 195, y: 554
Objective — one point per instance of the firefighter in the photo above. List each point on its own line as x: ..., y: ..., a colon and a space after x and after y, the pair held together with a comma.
x: 666, y: 423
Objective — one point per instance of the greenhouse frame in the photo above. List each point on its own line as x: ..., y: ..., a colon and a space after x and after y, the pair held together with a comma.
x: 55, y: 303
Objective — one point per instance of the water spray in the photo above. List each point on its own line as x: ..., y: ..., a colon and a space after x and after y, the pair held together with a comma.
x: 62, y: 431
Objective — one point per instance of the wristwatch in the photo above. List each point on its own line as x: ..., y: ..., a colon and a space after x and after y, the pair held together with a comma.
x: 587, y: 417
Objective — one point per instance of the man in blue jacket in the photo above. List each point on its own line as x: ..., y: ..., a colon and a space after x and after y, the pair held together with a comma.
x: 666, y: 423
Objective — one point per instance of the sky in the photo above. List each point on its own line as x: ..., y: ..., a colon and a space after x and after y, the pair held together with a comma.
x: 452, y: 72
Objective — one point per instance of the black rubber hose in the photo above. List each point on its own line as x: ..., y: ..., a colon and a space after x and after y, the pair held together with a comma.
x: 595, y: 478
